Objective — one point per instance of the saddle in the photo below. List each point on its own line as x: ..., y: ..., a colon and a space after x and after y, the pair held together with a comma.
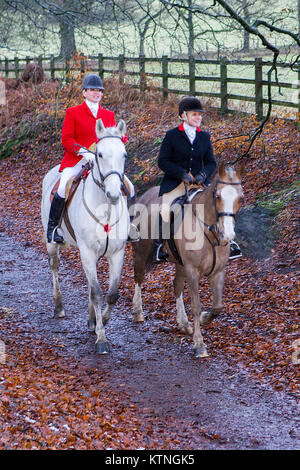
x: 176, y: 220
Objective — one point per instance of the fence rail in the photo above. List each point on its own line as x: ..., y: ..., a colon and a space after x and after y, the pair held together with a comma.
x: 107, y: 65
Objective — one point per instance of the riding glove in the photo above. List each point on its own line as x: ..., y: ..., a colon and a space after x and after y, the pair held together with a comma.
x: 188, y: 179
x: 200, y: 178
x: 89, y: 156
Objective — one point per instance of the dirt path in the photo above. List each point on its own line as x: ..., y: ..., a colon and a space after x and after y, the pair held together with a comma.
x: 216, y: 403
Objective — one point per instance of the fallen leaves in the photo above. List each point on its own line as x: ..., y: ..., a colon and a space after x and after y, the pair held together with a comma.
x: 47, y: 404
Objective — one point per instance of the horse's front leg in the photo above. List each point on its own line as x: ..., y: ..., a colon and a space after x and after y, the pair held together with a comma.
x: 181, y: 318
x: 53, y: 256
x: 89, y: 262
x: 115, y: 269
x: 139, y: 274
x: 217, y: 285
x: 193, y: 286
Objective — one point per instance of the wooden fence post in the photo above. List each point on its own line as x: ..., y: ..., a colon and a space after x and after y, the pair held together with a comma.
x: 121, y: 68
x: 40, y: 61
x: 52, y: 67
x: 100, y: 65
x: 165, y: 76
x: 142, y: 73
x: 223, y: 85
x: 17, y: 68
x: 27, y: 60
x: 192, y: 87
x: 258, y: 89
x: 6, y: 68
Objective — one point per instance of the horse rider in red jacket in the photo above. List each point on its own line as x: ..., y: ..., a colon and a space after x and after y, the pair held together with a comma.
x: 79, y: 128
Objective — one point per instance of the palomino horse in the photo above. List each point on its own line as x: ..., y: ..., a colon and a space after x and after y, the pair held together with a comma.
x: 206, y: 255
x: 99, y: 217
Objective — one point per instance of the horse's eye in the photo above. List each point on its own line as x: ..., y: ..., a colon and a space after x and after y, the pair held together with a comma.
x: 99, y: 154
x: 218, y: 196
x: 125, y: 154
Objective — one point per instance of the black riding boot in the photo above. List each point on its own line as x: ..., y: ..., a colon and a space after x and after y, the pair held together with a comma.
x: 56, y: 209
x: 158, y: 252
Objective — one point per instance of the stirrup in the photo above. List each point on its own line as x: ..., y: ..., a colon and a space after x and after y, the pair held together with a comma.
x: 235, y: 251
x: 59, y: 238
x: 134, y: 234
x: 161, y: 255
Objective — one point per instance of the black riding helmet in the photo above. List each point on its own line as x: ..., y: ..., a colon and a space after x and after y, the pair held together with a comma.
x: 92, y: 82
x: 189, y: 103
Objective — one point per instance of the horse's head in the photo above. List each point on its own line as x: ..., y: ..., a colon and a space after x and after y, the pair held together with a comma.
x: 228, y: 198
x: 110, y: 158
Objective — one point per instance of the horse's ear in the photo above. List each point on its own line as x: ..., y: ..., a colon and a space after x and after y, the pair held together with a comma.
x: 99, y: 128
x: 221, y: 170
x: 121, y: 127
x: 240, y: 169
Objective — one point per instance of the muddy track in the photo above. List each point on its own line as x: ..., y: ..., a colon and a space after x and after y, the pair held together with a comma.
x: 153, y: 365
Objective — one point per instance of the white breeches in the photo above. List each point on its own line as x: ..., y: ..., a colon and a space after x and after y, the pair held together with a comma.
x: 68, y: 173
x: 167, y: 200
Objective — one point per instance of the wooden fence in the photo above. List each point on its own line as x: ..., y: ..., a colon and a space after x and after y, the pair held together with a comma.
x: 106, y: 65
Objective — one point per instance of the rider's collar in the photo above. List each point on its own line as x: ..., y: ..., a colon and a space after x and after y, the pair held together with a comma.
x: 181, y: 128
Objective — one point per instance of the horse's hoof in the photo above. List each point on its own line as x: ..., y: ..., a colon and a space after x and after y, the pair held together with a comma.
x: 201, y: 352
x: 59, y: 313
x: 138, y: 317
x: 103, y: 348
x: 91, y: 325
x: 206, y: 318
x: 187, y: 329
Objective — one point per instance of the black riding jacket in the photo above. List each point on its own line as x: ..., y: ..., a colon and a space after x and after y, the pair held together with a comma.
x: 178, y: 156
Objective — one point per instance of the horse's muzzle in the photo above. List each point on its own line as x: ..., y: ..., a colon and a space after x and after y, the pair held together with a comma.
x: 113, y: 198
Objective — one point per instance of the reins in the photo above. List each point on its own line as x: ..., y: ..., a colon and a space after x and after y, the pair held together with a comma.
x: 106, y: 226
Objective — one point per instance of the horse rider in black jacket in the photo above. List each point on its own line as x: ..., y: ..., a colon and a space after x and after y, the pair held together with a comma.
x: 186, y: 156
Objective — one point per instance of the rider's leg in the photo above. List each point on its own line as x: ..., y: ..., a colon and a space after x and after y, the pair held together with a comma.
x: 56, y: 209
x: 58, y: 203
x: 158, y: 243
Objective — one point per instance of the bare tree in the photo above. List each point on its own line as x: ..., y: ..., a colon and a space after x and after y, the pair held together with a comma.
x: 260, y: 28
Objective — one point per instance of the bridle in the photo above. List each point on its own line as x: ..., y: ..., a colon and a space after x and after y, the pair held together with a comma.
x: 223, y: 214
x: 107, y: 226
x: 97, y: 157
x: 213, y: 227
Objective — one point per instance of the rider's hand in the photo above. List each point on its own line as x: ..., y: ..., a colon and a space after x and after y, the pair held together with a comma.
x: 187, y: 179
x: 89, y: 156
x: 200, y: 178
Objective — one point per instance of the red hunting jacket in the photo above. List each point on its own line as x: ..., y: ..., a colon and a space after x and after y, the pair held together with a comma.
x: 79, y: 128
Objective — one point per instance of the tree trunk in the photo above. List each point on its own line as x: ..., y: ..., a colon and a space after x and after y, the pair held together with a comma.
x: 67, y: 37
x: 246, y: 45
x: 191, y: 45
